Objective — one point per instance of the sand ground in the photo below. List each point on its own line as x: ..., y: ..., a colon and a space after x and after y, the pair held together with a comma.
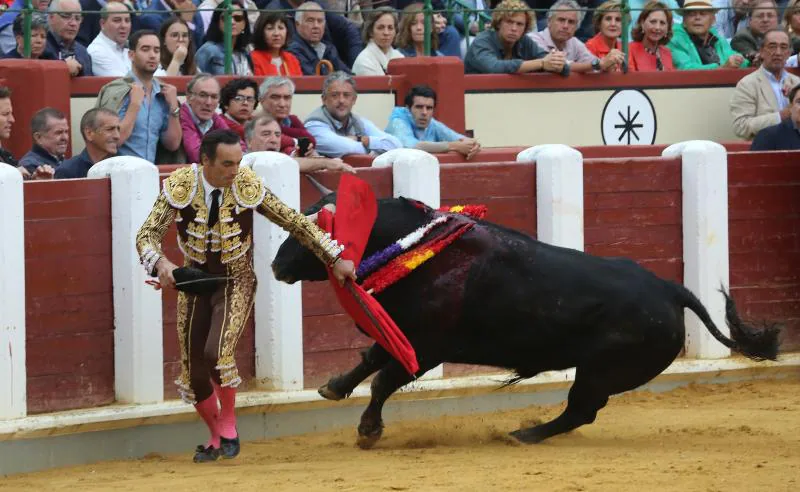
x: 734, y: 437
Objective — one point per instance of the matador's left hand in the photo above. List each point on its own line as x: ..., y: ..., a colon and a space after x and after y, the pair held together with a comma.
x: 344, y: 269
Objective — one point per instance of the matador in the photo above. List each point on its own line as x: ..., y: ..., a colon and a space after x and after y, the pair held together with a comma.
x: 212, y: 206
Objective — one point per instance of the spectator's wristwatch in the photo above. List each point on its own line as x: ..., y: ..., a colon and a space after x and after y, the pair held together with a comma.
x: 175, y: 112
x: 596, y: 64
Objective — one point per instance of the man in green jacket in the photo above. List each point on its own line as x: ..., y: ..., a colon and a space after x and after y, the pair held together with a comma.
x: 695, y: 45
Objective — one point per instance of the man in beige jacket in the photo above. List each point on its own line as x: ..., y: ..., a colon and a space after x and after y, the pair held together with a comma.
x: 760, y: 99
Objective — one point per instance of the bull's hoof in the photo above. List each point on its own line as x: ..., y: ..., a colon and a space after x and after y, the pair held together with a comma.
x: 527, y: 436
x: 326, y: 392
x: 368, y: 441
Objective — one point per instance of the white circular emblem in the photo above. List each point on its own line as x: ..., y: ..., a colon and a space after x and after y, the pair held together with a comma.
x: 628, y: 119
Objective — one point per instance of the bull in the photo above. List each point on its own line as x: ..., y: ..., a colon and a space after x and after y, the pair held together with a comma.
x: 500, y: 298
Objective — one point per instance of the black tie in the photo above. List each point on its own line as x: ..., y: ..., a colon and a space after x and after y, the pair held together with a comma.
x: 213, y: 212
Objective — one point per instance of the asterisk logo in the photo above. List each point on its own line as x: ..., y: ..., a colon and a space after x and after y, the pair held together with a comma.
x: 628, y: 126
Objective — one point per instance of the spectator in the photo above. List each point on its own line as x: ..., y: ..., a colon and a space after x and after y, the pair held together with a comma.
x: 786, y: 134
x: 379, y: 33
x: 448, y: 38
x: 270, y: 41
x: 50, y: 132
x: 207, y: 7
x: 411, y: 33
x: 607, y: 23
x: 161, y: 11
x: 791, y: 21
x: 238, y: 99
x: 65, y: 20
x: 763, y: 18
x: 211, y: 56
x: 731, y: 16
x: 38, y: 38
x: 177, y: 49
x: 90, y: 26
x: 696, y: 45
x: 636, y: 7
x: 337, y: 129
x: 339, y: 32
x: 198, y: 114
x: 506, y: 49
x: 100, y: 129
x: 108, y: 50
x: 148, y: 109
x: 416, y: 128
x: 6, y: 122
x: 653, y: 30
x: 759, y: 99
x: 315, y: 55
x: 8, y: 41
x: 563, y: 20
x: 276, y: 99
x: 263, y: 133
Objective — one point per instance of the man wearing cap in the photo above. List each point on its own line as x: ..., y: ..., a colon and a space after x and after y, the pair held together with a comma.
x: 212, y: 206
x: 696, y: 45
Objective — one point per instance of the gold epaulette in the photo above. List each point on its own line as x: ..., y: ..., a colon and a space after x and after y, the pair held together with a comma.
x: 181, y: 186
x: 248, y: 188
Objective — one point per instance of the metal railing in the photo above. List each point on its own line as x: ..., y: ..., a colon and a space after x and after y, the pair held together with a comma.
x: 453, y: 8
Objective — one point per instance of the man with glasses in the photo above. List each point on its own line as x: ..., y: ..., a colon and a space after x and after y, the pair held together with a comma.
x: 763, y: 18
x: 199, y: 114
x: 760, y: 99
x: 148, y: 109
x: 65, y: 19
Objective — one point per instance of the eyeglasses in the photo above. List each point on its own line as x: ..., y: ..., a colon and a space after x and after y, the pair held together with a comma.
x: 179, y: 35
x: 240, y: 99
x: 67, y: 17
x: 205, y: 95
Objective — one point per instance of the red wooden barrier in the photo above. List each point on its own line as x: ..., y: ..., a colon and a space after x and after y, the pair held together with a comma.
x: 68, y: 295
x: 633, y: 208
x: 764, y: 235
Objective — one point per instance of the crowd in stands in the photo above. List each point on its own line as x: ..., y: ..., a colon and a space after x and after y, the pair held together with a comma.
x: 137, y: 114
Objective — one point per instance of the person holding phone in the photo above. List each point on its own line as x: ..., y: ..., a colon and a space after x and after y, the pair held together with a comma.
x: 275, y: 96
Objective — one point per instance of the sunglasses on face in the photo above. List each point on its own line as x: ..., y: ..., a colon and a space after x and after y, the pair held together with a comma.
x: 237, y: 17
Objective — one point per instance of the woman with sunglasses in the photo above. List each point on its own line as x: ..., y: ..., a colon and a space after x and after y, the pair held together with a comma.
x: 648, y: 52
x: 177, y: 49
x: 270, y: 39
x: 210, y: 57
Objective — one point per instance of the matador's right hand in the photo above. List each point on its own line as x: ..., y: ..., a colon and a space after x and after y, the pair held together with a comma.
x: 164, y: 269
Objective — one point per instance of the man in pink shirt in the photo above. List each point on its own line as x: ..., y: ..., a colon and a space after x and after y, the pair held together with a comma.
x: 199, y: 114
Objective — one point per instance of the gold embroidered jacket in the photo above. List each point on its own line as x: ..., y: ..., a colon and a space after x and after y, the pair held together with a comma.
x: 182, y: 199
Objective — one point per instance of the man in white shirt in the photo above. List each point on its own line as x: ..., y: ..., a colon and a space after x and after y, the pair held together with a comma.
x: 108, y: 50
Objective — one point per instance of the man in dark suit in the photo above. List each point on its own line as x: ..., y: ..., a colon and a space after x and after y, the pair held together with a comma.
x: 310, y: 47
x: 785, y: 135
x: 100, y: 130
x: 64, y: 18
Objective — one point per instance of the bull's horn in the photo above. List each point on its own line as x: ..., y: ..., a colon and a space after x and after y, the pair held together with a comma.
x: 323, y: 190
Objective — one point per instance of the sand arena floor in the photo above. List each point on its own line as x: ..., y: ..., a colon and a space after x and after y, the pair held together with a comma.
x: 733, y: 437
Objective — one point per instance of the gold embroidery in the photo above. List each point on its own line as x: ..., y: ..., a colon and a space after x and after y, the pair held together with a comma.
x: 247, y: 188
x: 239, y: 299
x: 181, y: 186
x: 151, y: 233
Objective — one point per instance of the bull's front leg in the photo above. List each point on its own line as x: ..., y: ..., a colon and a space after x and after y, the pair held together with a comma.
x: 341, y: 386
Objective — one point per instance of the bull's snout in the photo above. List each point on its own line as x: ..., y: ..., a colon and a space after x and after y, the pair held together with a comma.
x: 281, y: 275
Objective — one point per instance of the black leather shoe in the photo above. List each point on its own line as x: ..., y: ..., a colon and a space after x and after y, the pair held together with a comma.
x: 230, y: 447
x: 204, y: 454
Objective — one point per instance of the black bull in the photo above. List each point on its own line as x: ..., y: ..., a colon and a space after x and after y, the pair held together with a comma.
x: 497, y: 297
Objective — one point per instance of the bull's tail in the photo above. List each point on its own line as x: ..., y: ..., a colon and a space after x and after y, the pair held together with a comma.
x: 757, y: 344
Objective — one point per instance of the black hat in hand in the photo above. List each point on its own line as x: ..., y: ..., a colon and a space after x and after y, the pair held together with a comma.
x: 195, y: 281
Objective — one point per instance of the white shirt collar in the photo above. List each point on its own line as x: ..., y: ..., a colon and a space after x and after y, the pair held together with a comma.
x: 207, y: 188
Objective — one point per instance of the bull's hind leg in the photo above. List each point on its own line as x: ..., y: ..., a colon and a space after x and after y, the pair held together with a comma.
x: 386, y: 382
x: 341, y: 386
x: 622, y: 371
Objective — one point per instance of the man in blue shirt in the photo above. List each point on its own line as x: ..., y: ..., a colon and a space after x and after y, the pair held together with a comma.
x: 416, y: 128
x: 100, y: 131
x: 337, y: 129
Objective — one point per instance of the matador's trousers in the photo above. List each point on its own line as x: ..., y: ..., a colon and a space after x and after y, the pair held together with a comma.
x: 209, y: 327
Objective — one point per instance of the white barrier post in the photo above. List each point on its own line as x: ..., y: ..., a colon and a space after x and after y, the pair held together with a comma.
x: 138, y: 325
x: 13, y: 397
x: 705, y: 239
x: 415, y: 174
x: 279, y: 308
x: 559, y: 194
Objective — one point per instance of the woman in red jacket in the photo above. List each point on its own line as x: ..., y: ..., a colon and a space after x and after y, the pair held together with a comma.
x: 271, y: 37
x: 607, y: 22
x: 652, y: 32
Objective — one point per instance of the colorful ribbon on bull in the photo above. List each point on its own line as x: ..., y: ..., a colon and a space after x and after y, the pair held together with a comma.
x: 394, y: 262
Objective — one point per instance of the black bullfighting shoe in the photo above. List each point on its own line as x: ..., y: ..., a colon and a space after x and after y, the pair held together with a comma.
x: 205, y: 454
x: 230, y: 447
